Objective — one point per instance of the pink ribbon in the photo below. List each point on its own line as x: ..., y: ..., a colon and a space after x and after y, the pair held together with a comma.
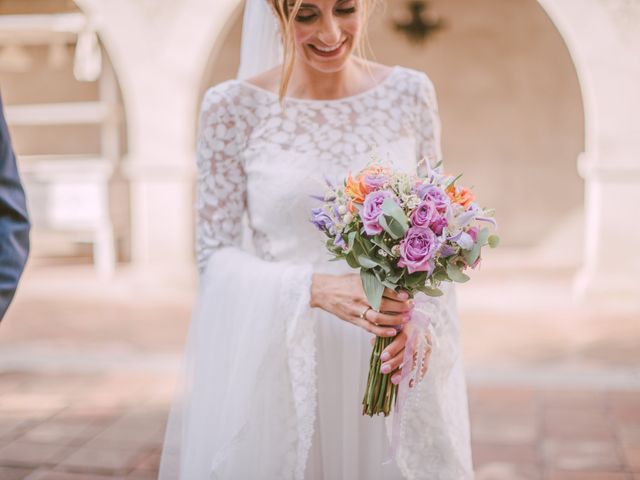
x: 410, y: 377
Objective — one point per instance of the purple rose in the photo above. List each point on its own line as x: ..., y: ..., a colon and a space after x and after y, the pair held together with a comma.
x: 435, y: 195
x: 423, y: 215
x: 417, y: 249
x: 322, y: 220
x: 374, y: 182
x: 371, y: 211
x: 438, y: 223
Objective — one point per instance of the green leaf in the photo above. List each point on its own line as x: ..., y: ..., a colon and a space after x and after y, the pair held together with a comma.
x: 483, y: 235
x: 392, y: 227
x: 393, y: 210
x: 373, y: 289
x: 440, y: 275
x: 389, y: 284
x: 456, y: 274
x: 377, y: 241
x: 430, y: 291
x: 351, y: 260
x: 366, y: 262
x: 395, y: 276
x: 494, y: 240
x: 351, y: 237
x: 416, y: 279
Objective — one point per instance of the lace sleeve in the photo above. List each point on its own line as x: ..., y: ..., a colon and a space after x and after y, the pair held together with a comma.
x: 221, y: 185
x: 428, y: 124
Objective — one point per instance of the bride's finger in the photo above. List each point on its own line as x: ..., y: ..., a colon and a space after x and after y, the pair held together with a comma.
x: 389, y: 305
x: 393, y: 363
x: 376, y: 330
x: 392, y: 294
x: 395, y: 347
x: 389, y: 320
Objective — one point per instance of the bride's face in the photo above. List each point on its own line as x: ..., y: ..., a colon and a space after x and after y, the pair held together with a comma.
x: 326, y: 32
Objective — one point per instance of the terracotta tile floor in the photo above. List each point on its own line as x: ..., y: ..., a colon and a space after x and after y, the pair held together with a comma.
x: 87, y: 368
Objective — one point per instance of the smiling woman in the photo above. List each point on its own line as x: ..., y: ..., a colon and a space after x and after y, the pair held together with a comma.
x: 278, y: 349
x: 326, y: 33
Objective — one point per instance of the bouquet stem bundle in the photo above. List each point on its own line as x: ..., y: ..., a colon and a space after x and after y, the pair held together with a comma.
x: 380, y: 393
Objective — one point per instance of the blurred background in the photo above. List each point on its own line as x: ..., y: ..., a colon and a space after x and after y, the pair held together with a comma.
x: 539, y: 102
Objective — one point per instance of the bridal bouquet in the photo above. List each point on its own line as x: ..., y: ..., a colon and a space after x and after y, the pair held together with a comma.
x: 403, y: 232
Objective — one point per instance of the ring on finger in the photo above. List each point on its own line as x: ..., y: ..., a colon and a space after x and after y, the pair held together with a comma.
x: 363, y: 315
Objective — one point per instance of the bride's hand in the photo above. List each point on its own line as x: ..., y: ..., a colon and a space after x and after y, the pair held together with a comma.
x: 343, y: 296
x: 393, y: 355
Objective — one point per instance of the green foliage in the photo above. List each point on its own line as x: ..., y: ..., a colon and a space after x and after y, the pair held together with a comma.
x: 455, y: 273
x: 373, y: 288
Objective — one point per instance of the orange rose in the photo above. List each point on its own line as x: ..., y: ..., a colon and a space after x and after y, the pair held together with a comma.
x: 462, y: 196
x: 355, y: 189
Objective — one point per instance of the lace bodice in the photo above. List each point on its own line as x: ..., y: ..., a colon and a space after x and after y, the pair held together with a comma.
x: 266, y: 159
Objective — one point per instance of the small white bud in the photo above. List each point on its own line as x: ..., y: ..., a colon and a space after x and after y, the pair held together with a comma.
x: 348, y: 218
x: 342, y: 209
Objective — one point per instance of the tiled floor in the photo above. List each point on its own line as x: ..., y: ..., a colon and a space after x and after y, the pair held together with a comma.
x: 86, y: 374
x: 517, y: 433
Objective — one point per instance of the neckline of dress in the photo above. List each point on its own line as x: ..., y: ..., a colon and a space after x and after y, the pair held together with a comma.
x: 369, y: 91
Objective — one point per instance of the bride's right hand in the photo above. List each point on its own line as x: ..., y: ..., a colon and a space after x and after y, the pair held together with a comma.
x: 343, y: 296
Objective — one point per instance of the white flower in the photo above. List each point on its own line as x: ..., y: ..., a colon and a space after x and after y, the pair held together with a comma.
x: 382, y: 253
x: 342, y: 209
x: 348, y: 218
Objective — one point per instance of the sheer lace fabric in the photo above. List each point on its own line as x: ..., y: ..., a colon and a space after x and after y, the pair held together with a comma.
x: 262, y: 159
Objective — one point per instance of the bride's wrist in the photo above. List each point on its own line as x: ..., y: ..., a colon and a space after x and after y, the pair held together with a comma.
x: 317, y: 283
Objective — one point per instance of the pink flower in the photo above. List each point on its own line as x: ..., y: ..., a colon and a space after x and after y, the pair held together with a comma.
x: 423, y: 215
x: 417, y: 249
x: 371, y: 211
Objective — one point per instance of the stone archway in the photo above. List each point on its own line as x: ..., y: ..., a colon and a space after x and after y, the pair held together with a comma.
x: 509, y: 104
x: 603, y: 37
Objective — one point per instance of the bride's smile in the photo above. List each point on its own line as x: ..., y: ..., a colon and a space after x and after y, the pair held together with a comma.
x: 326, y: 33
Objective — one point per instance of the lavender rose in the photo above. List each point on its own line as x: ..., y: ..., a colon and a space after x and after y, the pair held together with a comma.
x: 371, y: 211
x: 435, y: 195
x: 417, y: 249
x: 322, y: 220
x: 374, y: 182
x: 423, y: 215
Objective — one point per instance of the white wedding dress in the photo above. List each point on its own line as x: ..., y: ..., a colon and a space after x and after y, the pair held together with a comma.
x: 272, y: 389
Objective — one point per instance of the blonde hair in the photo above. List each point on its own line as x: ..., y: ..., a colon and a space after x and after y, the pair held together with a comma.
x: 286, y: 16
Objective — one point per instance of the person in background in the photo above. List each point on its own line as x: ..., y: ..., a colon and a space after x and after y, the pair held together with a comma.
x: 14, y: 221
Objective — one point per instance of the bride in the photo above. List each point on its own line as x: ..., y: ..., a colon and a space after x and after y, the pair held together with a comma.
x: 278, y: 350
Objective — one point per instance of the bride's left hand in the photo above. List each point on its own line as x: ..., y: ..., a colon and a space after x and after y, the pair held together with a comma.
x: 393, y: 355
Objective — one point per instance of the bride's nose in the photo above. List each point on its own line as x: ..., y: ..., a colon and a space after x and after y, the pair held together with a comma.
x: 329, y: 33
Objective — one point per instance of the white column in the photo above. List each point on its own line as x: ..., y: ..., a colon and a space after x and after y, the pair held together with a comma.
x: 604, y: 39
x: 159, y: 51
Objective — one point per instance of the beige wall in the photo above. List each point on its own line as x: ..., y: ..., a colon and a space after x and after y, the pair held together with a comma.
x: 510, y: 105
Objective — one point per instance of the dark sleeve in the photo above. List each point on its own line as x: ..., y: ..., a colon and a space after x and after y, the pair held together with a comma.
x: 14, y: 221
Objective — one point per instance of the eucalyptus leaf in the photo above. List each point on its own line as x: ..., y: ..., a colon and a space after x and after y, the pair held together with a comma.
x: 393, y: 210
x: 351, y: 260
x: 456, y: 274
x: 391, y: 230
x: 366, y: 262
x: 430, y: 291
x: 372, y: 287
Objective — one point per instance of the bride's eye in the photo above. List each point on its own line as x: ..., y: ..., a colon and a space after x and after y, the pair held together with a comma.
x: 346, y: 11
x: 305, y: 15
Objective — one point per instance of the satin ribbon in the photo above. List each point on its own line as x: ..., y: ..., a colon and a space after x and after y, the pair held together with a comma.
x: 421, y: 325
